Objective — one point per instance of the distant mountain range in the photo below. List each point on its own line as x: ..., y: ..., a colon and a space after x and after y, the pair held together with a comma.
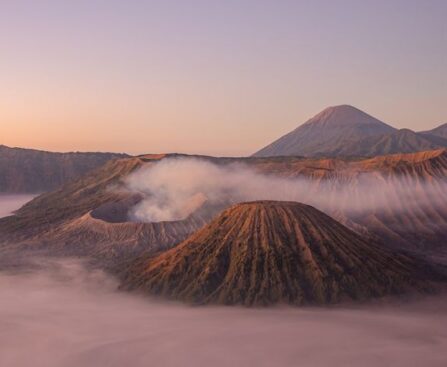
x: 345, y: 131
x: 35, y: 171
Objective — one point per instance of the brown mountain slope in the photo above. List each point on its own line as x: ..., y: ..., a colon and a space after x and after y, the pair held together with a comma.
x: 35, y: 171
x: 268, y: 252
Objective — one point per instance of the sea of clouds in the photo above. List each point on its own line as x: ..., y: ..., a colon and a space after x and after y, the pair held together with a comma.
x: 64, y: 314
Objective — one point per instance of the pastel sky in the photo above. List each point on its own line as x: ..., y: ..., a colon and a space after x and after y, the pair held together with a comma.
x: 217, y: 77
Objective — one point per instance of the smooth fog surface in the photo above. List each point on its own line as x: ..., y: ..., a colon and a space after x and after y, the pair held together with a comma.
x: 64, y: 315
x: 9, y: 203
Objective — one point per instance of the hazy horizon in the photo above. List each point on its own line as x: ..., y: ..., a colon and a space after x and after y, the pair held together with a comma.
x: 199, y: 152
x: 218, y: 78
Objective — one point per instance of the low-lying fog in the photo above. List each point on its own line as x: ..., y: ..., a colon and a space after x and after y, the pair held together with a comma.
x: 65, y: 315
x: 9, y: 203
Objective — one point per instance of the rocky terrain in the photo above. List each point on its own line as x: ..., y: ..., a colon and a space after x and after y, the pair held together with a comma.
x: 35, y: 171
x: 89, y: 216
x: 268, y: 252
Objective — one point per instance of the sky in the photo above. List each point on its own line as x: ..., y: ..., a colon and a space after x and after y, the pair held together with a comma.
x: 212, y: 77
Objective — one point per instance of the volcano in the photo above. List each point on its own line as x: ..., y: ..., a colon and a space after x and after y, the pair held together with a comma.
x: 327, y: 133
x: 267, y: 252
x: 345, y: 131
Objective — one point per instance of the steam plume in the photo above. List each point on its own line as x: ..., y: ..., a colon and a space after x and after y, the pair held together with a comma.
x: 173, y: 188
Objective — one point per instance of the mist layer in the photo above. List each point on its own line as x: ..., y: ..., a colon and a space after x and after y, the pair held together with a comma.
x: 9, y: 203
x: 65, y: 315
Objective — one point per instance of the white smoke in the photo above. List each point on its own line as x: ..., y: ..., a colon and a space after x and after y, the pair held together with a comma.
x: 174, y: 188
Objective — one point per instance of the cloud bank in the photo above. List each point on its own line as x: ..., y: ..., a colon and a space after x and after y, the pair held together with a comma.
x: 66, y: 315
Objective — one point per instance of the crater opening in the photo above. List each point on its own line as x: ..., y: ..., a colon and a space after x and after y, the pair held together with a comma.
x: 116, y: 211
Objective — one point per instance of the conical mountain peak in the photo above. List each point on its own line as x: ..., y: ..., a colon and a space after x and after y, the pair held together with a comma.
x: 327, y: 133
x: 346, y: 115
x: 267, y: 252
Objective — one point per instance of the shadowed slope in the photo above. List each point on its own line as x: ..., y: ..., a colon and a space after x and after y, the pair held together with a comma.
x: 269, y: 252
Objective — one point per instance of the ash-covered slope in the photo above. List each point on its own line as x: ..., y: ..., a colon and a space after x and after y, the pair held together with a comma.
x: 268, y: 252
x: 35, y: 171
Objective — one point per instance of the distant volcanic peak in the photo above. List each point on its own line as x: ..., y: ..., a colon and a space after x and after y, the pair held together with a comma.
x: 342, y: 107
x: 345, y: 131
x: 327, y: 134
x: 346, y: 115
x: 340, y: 110
x: 267, y: 252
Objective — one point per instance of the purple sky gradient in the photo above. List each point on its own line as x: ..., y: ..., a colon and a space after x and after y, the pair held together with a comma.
x: 216, y: 77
